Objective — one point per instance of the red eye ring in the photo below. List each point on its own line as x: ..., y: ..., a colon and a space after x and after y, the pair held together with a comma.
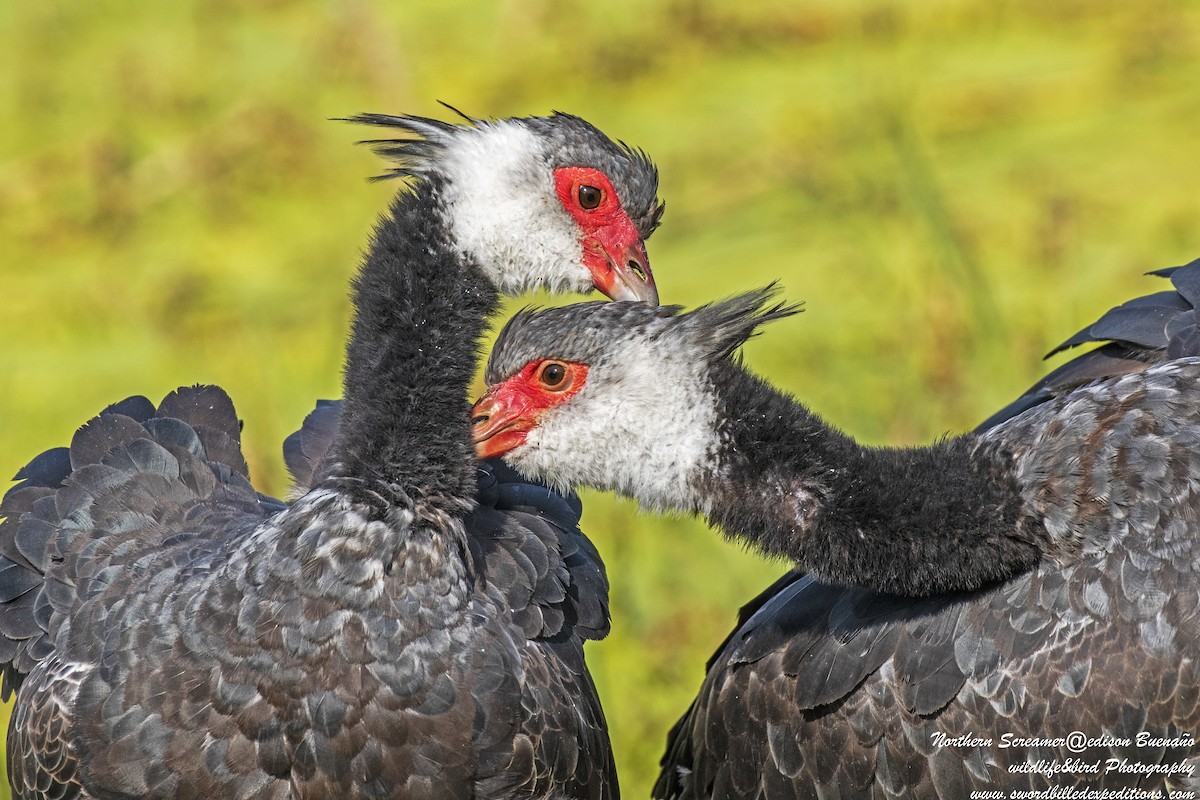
x: 588, y: 196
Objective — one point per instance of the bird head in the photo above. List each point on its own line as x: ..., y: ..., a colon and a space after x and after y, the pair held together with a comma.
x: 537, y: 202
x: 615, y: 396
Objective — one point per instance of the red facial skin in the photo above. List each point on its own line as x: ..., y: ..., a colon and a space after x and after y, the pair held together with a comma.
x: 502, y: 419
x: 613, y: 250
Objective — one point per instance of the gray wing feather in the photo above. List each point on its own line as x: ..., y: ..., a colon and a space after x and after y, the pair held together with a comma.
x: 1143, y: 331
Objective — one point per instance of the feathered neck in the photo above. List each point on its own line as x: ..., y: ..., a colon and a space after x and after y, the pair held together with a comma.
x: 909, y: 521
x: 420, y: 309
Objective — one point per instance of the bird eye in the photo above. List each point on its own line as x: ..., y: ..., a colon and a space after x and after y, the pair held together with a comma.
x: 589, y: 197
x: 553, y: 376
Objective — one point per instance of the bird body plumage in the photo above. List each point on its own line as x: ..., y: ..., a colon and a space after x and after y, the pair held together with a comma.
x: 823, y: 686
x: 1042, y: 576
x: 287, y: 657
x: 410, y: 626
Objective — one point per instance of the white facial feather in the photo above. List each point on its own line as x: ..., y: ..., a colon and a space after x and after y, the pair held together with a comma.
x: 644, y: 426
x: 505, y: 213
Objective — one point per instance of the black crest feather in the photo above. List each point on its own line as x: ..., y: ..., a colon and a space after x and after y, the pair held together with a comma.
x: 410, y: 156
x: 726, y: 325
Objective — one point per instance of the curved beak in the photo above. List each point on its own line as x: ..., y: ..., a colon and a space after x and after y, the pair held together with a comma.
x: 632, y: 278
x: 625, y: 272
x: 499, y: 422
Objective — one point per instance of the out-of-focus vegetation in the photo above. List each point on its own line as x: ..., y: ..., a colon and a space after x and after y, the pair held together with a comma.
x: 951, y: 186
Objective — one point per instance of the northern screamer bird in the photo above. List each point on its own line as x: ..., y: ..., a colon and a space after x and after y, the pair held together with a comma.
x: 959, y: 612
x: 412, y: 625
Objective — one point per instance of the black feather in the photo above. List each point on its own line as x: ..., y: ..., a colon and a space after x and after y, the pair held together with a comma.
x: 1140, y: 332
x: 304, y: 451
x: 47, y: 469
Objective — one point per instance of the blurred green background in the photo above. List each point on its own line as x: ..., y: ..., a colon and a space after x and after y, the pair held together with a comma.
x: 952, y: 187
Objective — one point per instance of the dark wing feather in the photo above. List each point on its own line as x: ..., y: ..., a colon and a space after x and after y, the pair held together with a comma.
x: 48, y: 469
x: 534, y: 560
x: 759, y: 727
x: 1141, y: 321
x: 138, y: 408
x: 202, y: 407
x: 74, y: 527
x: 1140, y: 332
x: 304, y: 451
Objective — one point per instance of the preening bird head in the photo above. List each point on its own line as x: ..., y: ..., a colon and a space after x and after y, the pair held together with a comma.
x: 537, y: 202
x: 615, y: 396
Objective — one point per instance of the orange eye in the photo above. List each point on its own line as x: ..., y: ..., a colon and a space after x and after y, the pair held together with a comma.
x: 589, y: 197
x: 553, y: 376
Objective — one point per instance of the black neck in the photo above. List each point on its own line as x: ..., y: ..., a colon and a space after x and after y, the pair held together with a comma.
x: 419, y: 312
x: 904, y: 520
